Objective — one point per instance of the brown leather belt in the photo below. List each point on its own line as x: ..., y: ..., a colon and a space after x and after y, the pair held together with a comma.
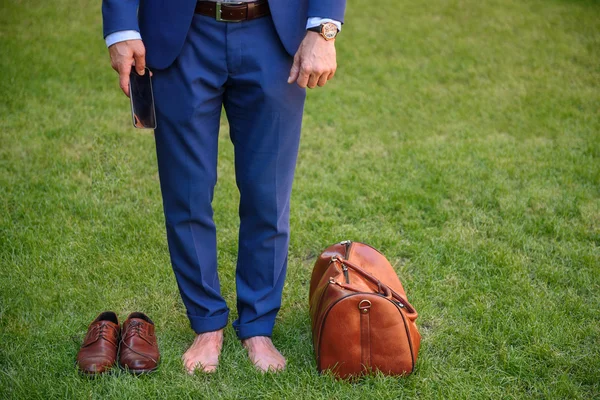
x: 232, y: 12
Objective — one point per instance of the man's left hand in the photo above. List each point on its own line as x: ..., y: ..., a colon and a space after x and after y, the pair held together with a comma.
x: 314, y: 62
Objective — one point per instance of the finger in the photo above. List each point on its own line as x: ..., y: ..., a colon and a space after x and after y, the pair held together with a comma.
x: 140, y: 62
x: 314, y: 79
x: 323, y: 80
x: 303, y: 78
x: 124, y: 72
x: 114, y: 65
x: 331, y: 75
x: 295, y: 71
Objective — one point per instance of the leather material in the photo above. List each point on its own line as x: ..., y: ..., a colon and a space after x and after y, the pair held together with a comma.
x: 361, y: 319
x: 100, y: 345
x: 139, y: 346
x: 365, y: 336
x: 234, y: 12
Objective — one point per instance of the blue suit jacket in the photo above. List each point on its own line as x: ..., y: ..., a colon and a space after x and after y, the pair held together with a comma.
x: 164, y: 24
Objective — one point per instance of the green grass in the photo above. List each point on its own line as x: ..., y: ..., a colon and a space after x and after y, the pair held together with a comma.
x: 461, y: 138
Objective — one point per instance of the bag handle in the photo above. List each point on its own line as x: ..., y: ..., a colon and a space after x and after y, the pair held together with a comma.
x: 382, y: 287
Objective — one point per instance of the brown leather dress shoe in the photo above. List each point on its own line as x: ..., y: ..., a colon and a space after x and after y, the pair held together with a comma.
x: 99, y: 349
x: 139, y: 347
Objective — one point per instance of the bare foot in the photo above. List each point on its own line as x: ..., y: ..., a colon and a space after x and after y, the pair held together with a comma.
x: 204, y: 353
x: 263, y: 354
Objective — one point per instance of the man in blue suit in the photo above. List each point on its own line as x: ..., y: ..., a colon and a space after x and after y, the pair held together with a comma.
x: 255, y: 59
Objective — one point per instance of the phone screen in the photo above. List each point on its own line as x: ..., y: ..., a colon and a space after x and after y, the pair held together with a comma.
x: 142, y: 100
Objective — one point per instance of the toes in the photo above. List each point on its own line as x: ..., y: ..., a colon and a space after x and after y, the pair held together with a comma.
x: 203, y: 354
x: 209, y: 369
x: 190, y: 366
x: 268, y: 364
x: 275, y: 368
x: 264, y: 355
x: 266, y: 368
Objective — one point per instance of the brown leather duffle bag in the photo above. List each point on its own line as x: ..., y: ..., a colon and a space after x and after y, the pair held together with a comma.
x: 361, y: 319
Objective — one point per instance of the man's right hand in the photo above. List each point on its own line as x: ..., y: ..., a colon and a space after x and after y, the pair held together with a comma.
x: 125, y: 54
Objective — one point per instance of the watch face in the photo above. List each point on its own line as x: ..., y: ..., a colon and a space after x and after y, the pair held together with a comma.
x: 329, y: 31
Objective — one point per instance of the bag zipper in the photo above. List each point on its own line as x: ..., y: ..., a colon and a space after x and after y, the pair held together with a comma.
x: 346, y: 274
x: 347, y: 244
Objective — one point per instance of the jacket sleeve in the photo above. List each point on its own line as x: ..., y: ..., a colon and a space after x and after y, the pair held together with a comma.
x: 333, y: 9
x: 119, y: 15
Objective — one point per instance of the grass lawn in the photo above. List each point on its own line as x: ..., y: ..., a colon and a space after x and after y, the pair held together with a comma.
x: 460, y: 137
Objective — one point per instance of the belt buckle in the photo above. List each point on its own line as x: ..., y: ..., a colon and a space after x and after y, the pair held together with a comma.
x: 218, y: 13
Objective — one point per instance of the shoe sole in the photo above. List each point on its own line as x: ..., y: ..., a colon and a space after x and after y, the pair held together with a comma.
x: 87, y: 374
x: 111, y: 370
x: 137, y: 371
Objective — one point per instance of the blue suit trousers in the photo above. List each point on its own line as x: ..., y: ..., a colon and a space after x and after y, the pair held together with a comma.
x: 242, y: 67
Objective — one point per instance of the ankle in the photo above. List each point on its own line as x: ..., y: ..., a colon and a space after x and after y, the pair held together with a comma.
x: 213, y: 336
x: 217, y: 333
x: 257, y: 342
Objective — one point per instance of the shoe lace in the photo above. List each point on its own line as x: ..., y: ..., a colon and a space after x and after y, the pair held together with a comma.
x: 102, y: 331
x: 135, y: 329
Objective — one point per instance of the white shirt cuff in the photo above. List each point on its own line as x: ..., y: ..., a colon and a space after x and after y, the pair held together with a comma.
x: 316, y: 21
x: 121, y: 36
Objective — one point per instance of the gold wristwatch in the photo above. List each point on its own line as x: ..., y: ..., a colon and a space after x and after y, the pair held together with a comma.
x: 328, y: 30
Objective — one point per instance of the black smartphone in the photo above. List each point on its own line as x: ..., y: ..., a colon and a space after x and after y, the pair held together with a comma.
x: 142, y: 100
